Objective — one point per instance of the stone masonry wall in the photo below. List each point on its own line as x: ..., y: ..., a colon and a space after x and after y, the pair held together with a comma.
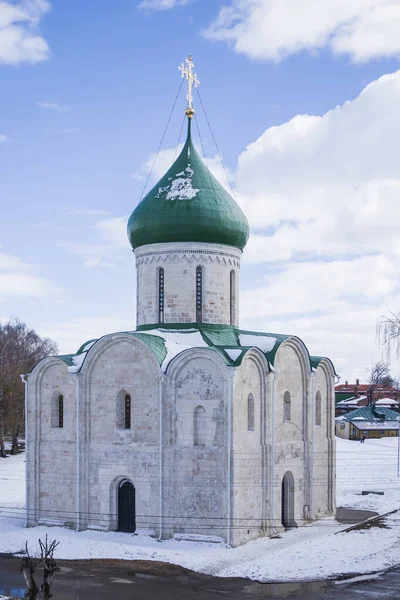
x: 195, y: 475
x: 323, y: 443
x: 248, y: 480
x: 289, y: 446
x: 121, y: 365
x: 179, y: 261
x: 51, y: 450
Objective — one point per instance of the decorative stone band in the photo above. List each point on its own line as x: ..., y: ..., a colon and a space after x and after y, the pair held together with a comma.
x: 188, y: 251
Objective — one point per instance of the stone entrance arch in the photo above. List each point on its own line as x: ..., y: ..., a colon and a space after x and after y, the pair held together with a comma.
x: 126, y: 507
x: 287, y: 500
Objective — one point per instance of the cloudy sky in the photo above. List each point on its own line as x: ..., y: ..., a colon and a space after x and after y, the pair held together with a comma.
x: 303, y: 97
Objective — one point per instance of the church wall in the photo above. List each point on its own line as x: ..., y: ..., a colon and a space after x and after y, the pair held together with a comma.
x: 323, y: 444
x: 320, y: 446
x: 290, y: 449
x: 51, y: 450
x: 195, y: 456
x: 121, y: 366
x: 179, y: 261
x: 248, y: 472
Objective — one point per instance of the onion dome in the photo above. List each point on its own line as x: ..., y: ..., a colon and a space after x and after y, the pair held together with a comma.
x: 188, y: 205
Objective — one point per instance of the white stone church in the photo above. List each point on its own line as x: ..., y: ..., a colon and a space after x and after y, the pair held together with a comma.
x: 187, y: 426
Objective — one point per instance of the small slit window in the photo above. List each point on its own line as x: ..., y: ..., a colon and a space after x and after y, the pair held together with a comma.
x: 286, y: 406
x: 250, y: 413
x: 161, y: 295
x: 318, y: 408
x: 60, y: 411
x: 233, y: 297
x: 199, y: 294
x: 128, y: 407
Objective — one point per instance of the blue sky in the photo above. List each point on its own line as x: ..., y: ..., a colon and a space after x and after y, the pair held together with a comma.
x: 84, y: 105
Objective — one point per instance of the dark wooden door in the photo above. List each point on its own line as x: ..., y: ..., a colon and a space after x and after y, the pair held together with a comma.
x: 287, y: 499
x: 284, y: 501
x: 126, y: 507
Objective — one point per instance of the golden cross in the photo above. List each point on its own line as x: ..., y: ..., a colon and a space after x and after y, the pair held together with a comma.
x: 191, y: 78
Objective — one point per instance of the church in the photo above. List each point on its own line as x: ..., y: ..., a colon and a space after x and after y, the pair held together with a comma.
x: 188, y: 426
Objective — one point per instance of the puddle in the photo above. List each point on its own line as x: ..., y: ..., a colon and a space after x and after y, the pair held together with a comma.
x: 297, y: 589
x: 73, y: 590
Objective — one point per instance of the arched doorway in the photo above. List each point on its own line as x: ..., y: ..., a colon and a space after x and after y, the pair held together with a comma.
x: 126, y: 507
x: 287, y: 498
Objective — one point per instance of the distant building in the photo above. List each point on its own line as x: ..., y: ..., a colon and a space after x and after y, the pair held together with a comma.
x: 369, y: 422
x: 372, y: 393
x: 345, y: 406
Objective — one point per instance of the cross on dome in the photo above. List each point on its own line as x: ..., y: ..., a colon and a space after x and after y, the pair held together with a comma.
x: 191, y: 78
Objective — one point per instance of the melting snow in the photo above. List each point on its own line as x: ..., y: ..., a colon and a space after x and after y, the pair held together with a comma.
x: 176, y: 341
x: 87, y: 347
x: 233, y: 353
x: 264, y: 343
x: 312, y: 552
x: 77, y: 362
x: 181, y: 187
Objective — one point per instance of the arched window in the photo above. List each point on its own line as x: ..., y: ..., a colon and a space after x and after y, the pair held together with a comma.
x: 250, y: 413
x: 233, y: 297
x: 199, y: 426
x: 199, y: 294
x: 161, y: 295
x: 60, y: 411
x: 123, y: 410
x: 286, y: 406
x: 318, y: 408
x: 128, y: 406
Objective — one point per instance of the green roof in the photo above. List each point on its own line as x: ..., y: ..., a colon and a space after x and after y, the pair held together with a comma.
x: 188, y: 205
x: 371, y: 414
x: 228, y: 341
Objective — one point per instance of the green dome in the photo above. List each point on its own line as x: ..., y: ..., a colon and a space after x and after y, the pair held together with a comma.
x: 188, y: 205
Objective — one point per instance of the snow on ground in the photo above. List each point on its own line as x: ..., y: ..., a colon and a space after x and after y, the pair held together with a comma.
x: 317, y: 551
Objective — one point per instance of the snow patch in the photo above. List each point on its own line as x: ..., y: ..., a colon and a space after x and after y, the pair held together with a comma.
x: 263, y: 342
x: 311, y: 552
x: 181, y: 187
x: 233, y: 353
x: 77, y: 362
x: 87, y: 347
x: 176, y: 341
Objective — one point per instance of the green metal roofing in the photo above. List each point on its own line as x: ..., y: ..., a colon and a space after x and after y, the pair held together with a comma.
x: 188, y: 205
x: 226, y: 340
x: 223, y: 338
x: 67, y: 358
x: 371, y: 413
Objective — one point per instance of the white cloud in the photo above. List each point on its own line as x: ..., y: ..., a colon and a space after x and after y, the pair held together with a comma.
x: 19, y: 38
x: 70, y: 335
x: 324, y: 183
x: 153, y: 5
x: 4, y: 138
x: 19, y: 279
x: 275, y: 29
x: 111, y: 239
x: 332, y: 306
x: 322, y: 196
x: 86, y: 212
x: 54, y: 106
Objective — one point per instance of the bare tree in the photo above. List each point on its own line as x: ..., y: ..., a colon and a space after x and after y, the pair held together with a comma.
x: 28, y: 568
x: 21, y: 349
x: 389, y: 333
x: 379, y: 378
x: 29, y: 565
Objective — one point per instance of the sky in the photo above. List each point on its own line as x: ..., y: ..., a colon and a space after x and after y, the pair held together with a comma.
x: 303, y: 98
